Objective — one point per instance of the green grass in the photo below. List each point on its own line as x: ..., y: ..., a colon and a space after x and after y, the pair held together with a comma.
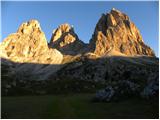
x: 75, y: 106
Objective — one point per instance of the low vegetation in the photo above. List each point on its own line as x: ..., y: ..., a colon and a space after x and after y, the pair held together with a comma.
x: 76, y: 106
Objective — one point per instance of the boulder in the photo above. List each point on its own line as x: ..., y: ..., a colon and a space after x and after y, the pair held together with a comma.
x: 104, y: 95
x: 117, y: 91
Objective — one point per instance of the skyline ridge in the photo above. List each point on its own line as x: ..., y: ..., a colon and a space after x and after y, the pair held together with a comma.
x: 75, y: 16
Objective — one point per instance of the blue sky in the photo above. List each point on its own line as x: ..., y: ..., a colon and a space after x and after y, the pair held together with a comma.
x: 82, y: 15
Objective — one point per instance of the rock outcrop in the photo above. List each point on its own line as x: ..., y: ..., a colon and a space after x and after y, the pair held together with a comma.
x: 66, y: 40
x: 116, y: 31
x: 29, y: 44
x: 119, y: 90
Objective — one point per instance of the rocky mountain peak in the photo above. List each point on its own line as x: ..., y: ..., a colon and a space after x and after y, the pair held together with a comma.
x: 61, y: 30
x: 65, y: 27
x: 66, y: 40
x: 118, y: 14
x: 29, y: 44
x: 115, y: 30
x: 30, y: 26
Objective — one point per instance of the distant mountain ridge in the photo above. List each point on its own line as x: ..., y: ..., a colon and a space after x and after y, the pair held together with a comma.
x: 113, y: 32
x: 116, y: 57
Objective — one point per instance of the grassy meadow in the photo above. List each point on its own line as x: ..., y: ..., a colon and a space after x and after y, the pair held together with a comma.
x: 75, y: 106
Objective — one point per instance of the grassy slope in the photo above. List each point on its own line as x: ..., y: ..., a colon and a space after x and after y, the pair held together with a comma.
x: 75, y: 106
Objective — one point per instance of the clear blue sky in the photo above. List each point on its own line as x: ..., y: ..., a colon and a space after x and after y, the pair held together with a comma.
x: 82, y: 15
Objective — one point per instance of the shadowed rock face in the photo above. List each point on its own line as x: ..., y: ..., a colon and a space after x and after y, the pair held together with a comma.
x: 65, y: 40
x: 114, y: 30
x: 29, y: 44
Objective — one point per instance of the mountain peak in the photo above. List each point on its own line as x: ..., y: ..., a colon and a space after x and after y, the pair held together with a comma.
x: 115, y: 10
x: 64, y: 28
x: 115, y: 30
x: 34, y: 22
x: 29, y: 44
x: 66, y: 40
x: 30, y: 26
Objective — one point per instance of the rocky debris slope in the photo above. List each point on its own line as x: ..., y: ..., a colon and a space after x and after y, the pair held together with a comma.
x: 124, y: 76
x: 110, y: 68
x: 66, y: 40
x: 125, y: 89
x: 116, y: 31
x: 121, y: 89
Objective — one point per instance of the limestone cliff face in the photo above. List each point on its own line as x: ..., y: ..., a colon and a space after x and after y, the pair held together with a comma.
x: 115, y: 30
x: 66, y: 40
x: 29, y: 44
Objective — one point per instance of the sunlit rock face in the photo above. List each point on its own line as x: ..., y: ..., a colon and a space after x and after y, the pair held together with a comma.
x: 116, y: 31
x: 66, y: 40
x: 29, y: 44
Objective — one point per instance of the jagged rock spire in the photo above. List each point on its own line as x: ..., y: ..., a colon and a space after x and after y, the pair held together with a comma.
x: 29, y: 44
x: 114, y: 30
x: 66, y: 40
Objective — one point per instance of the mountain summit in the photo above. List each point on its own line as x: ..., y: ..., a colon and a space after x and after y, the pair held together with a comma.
x: 114, y: 34
x: 66, y: 40
x: 115, y: 31
x: 29, y: 44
